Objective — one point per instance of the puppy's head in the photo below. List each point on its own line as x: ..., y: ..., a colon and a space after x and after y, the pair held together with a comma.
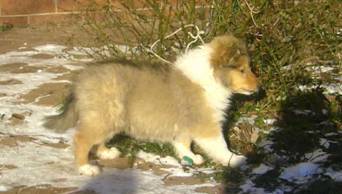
x: 230, y: 62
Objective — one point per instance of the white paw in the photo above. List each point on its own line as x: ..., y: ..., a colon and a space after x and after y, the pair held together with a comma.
x: 89, y: 170
x: 198, y: 159
x: 237, y: 160
x: 109, y: 154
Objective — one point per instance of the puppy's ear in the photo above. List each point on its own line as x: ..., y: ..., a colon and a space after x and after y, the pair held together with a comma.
x: 221, y: 55
x: 225, y: 50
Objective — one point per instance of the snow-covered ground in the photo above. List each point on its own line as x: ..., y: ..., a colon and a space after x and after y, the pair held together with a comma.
x: 31, y: 155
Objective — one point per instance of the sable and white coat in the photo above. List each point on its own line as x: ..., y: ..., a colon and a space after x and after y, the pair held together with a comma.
x: 185, y: 104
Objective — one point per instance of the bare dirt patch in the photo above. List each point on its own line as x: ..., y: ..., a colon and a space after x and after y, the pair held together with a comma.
x: 156, y: 169
x: 13, y: 140
x: 211, y: 190
x: 49, y: 94
x: 43, y: 189
x: 176, y: 180
x: 10, y: 82
x: 42, y: 56
x: 18, y: 118
x: 118, y: 163
x: 66, y: 76
x: 7, y: 166
x: 33, y: 36
x: 84, y: 192
x: 59, y: 145
x: 56, y: 69
x: 18, y: 68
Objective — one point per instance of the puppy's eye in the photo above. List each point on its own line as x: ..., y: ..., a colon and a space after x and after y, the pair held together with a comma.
x: 230, y: 66
x: 242, y: 70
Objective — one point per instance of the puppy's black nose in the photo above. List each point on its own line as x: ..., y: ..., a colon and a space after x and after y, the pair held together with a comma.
x: 260, y: 93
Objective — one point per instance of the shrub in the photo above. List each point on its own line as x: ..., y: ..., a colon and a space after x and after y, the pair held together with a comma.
x: 285, y: 37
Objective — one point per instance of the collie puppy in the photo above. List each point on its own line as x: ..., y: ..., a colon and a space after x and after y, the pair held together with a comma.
x: 185, y: 104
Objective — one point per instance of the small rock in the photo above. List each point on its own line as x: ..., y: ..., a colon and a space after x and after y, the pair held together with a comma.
x: 18, y: 116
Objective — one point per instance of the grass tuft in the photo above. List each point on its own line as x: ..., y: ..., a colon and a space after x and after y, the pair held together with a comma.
x: 5, y: 27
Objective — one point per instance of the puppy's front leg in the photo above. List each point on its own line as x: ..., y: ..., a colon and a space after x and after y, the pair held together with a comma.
x: 216, y: 148
x: 182, y: 145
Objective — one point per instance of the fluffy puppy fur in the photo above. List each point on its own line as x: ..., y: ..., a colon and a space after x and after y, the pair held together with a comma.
x: 183, y: 105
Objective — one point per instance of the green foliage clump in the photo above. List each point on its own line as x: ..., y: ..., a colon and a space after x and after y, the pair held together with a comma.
x: 5, y: 27
x: 285, y: 38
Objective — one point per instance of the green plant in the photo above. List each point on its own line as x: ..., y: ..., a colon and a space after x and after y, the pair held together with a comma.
x: 5, y: 27
x: 284, y: 37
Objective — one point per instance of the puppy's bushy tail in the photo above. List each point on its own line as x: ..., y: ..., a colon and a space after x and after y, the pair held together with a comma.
x: 66, y: 119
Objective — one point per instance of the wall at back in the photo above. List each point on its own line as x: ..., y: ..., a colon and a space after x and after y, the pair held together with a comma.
x: 31, y: 12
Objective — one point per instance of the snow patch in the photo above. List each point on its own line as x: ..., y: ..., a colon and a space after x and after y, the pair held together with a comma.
x: 303, y: 112
x: 29, y: 81
x: 3, y: 188
x: 249, y: 187
x: 300, y: 172
x: 262, y: 169
x: 149, y: 157
x: 250, y: 120
x: 317, y: 156
x: 270, y: 121
x: 330, y: 88
x: 320, y: 69
x: 50, y: 48
x: 38, y: 163
x: 335, y: 175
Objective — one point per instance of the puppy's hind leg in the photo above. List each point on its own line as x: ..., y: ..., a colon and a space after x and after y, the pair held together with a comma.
x: 107, y: 153
x: 83, y: 144
x: 89, y: 133
x: 216, y: 148
x: 182, y: 145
